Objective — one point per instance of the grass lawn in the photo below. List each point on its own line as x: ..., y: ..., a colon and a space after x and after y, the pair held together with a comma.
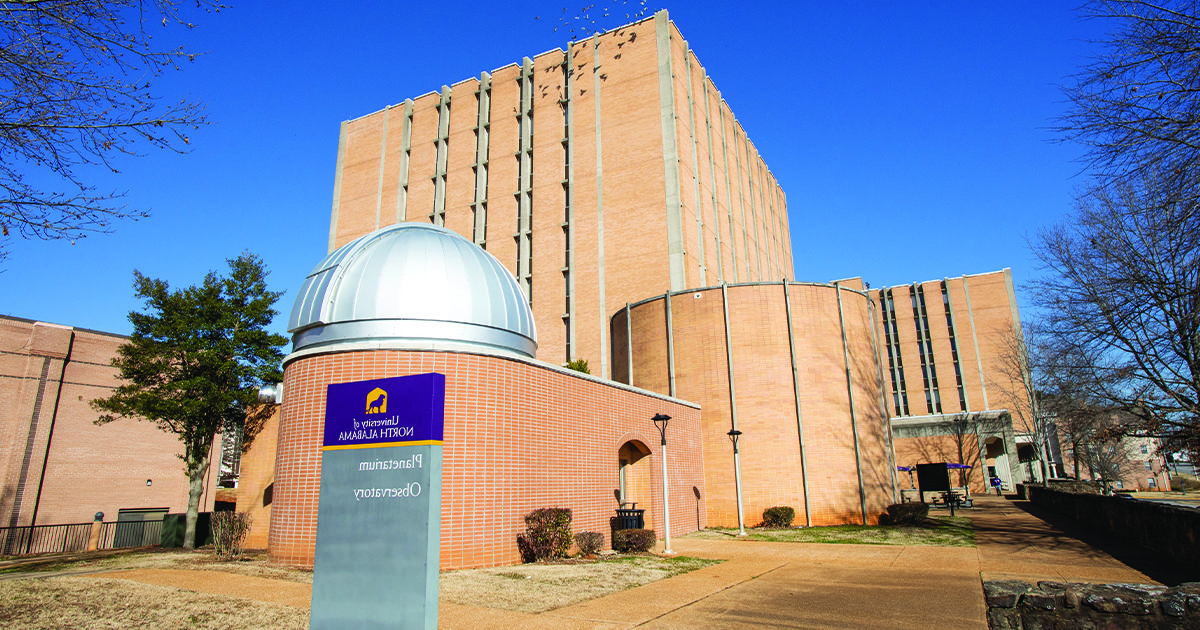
x: 938, y: 531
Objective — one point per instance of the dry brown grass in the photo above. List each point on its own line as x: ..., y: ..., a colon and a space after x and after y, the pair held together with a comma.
x: 537, y: 588
x: 66, y: 602
x: 44, y: 599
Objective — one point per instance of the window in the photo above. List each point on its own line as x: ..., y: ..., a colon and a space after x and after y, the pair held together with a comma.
x: 1151, y: 482
x: 1149, y: 466
x: 1145, y: 449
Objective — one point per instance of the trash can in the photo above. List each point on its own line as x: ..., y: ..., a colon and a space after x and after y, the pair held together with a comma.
x: 629, y: 518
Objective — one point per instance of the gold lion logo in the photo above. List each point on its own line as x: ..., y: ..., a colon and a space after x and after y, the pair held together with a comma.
x: 377, y: 401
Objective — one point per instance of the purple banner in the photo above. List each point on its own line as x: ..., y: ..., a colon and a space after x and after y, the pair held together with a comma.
x: 386, y: 411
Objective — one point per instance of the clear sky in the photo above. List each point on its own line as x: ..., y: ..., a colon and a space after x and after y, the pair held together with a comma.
x: 914, y: 140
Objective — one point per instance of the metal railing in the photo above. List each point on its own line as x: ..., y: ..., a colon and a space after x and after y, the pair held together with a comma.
x: 28, y: 540
x: 130, y: 534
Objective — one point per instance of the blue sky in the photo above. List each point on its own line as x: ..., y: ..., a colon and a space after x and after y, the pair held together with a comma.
x: 914, y: 140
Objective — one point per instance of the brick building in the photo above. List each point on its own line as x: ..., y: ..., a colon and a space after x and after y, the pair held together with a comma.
x: 627, y: 220
x: 56, y: 465
x: 646, y: 236
x: 598, y: 175
x: 953, y: 385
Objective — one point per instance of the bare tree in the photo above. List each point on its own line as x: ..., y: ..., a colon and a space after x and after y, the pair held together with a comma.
x: 1122, y: 304
x: 1019, y: 383
x: 76, y: 79
x: 1137, y: 105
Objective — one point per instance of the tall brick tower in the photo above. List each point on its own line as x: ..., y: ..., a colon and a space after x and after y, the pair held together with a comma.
x: 599, y: 175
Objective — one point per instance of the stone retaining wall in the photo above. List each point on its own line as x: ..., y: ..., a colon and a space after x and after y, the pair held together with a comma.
x: 1170, y: 530
x: 1017, y: 605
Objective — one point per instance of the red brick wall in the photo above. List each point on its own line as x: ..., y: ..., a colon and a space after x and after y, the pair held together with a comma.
x: 255, y: 492
x: 619, y: 207
x: 982, y: 332
x: 765, y: 396
x: 89, y: 468
x: 518, y: 436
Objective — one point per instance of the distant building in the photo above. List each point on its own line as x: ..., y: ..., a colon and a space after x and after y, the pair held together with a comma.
x: 1127, y: 463
x: 56, y: 465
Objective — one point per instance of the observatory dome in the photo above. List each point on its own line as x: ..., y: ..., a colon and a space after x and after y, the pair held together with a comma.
x: 412, y: 286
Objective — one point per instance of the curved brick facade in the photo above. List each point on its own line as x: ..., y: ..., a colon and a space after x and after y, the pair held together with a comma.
x: 677, y: 344
x: 519, y: 435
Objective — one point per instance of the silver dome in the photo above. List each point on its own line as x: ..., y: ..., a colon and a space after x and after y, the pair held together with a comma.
x: 412, y: 285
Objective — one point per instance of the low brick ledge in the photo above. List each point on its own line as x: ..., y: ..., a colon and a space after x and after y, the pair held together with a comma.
x: 1017, y: 605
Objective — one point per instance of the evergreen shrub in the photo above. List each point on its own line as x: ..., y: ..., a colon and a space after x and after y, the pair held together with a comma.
x: 779, y: 516
x: 547, y: 534
x: 626, y: 540
x: 913, y: 513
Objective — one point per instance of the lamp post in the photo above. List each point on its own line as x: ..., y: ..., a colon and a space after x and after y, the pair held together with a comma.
x: 660, y: 421
x: 734, y: 434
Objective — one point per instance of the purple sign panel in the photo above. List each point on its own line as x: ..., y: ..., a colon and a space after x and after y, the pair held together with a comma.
x: 393, y: 411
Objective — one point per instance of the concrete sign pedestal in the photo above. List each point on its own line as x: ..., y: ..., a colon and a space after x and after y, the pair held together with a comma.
x: 379, y: 514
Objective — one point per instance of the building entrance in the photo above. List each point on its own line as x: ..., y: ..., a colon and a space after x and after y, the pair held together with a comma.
x: 633, y: 480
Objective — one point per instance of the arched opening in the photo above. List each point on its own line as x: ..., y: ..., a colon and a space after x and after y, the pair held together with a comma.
x: 633, y: 478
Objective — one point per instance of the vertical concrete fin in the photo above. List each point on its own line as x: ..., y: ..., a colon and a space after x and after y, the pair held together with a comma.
x: 337, y: 186
x: 382, y: 169
x: 629, y: 342
x: 862, y: 491
x: 442, y: 145
x: 666, y: 100
x: 670, y: 345
x: 701, y: 261
x: 524, y: 234
x: 601, y: 294
x: 405, y: 153
x: 787, y: 306
x: 729, y: 358
x: 883, y: 408
x: 568, y: 104
x: 483, y: 124
x: 733, y: 254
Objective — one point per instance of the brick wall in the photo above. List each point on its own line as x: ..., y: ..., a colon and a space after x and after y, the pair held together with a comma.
x: 765, y: 394
x: 608, y: 184
x: 49, y: 374
x: 519, y: 435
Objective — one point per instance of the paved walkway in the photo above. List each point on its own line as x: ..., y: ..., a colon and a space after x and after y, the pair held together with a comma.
x: 788, y: 585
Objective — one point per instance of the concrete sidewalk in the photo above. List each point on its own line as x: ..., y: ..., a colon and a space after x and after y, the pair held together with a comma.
x: 789, y: 585
x: 1018, y: 541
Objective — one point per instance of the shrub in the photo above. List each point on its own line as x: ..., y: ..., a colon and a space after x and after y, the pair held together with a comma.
x: 907, y: 513
x: 589, y: 543
x: 547, y: 534
x: 625, y: 540
x: 780, y: 516
x: 229, y: 531
x: 579, y: 365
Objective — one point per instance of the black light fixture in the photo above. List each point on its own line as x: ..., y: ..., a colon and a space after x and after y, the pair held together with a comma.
x: 734, y: 434
x: 660, y: 421
x: 149, y: 482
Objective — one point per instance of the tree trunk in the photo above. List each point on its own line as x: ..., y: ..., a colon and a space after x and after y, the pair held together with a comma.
x: 195, y: 490
x: 1074, y: 449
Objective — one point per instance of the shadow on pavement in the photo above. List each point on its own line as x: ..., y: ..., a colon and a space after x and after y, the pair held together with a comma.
x: 1153, y: 563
